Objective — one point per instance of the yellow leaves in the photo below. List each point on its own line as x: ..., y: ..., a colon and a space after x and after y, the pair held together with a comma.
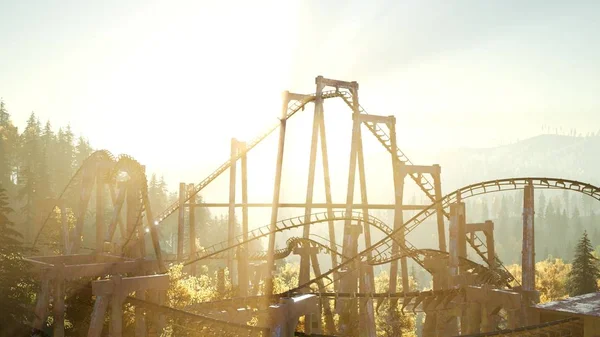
x: 550, y: 278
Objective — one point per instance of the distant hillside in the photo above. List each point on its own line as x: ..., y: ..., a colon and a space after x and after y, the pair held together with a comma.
x: 569, y: 157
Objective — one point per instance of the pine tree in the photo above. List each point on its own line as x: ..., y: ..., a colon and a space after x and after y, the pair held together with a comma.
x: 10, y: 140
x: 46, y: 188
x: 584, y: 271
x: 82, y: 151
x: 15, y: 281
x: 28, y: 179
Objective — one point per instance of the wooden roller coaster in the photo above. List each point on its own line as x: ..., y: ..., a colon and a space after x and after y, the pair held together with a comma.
x: 468, y: 298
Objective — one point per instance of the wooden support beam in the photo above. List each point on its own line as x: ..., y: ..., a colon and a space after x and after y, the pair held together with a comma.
x: 275, y: 203
x: 231, y: 214
x: 100, y: 235
x: 97, y: 320
x: 192, y: 220
x: 337, y: 83
x: 376, y: 119
x: 58, y: 303
x: 41, y: 306
x: 243, y: 260
x: 180, y: 222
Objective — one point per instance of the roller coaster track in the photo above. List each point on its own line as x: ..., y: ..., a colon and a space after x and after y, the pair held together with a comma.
x: 422, y: 181
x: 91, y: 162
x: 488, y: 187
x: 481, y: 273
x: 291, y: 244
x: 382, y: 248
x: 283, y: 225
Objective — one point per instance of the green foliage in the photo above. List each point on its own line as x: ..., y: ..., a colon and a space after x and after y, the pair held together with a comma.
x: 16, y: 284
x: 582, y: 278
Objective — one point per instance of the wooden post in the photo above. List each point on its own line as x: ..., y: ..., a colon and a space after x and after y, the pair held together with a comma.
x: 398, y: 173
x: 276, y: 190
x: 140, y: 320
x: 100, y: 213
x: 154, y: 233
x: 86, y: 191
x: 97, y: 320
x: 41, y: 306
x: 327, y: 181
x: 58, y: 306
x: 231, y: 214
x: 304, y: 274
x: 243, y: 259
x: 118, y: 201
x: 439, y: 208
x: 489, y: 240
x: 454, y: 251
x: 367, y: 281
x: 180, y: 222
x: 64, y: 228
x: 192, y: 219
x: 350, y: 243
x: 528, y: 256
x: 116, y: 308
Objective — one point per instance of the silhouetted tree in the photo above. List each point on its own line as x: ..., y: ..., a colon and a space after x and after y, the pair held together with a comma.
x: 582, y: 278
x: 29, y: 171
x: 82, y: 151
x: 15, y: 281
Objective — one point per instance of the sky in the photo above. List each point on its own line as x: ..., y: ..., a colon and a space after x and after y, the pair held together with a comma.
x: 170, y: 82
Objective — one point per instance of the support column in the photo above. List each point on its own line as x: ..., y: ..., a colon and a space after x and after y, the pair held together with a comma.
x: 439, y: 208
x: 86, y: 191
x: 304, y: 274
x: 192, y: 220
x: 180, y: 222
x: 140, y: 319
x: 64, y: 228
x: 243, y: 258
x: 367, y: 281
x: 326, y: 178
x: 231, y: 213
x: 116, y: 308
x: 528, y: 253
x: 41, y: 306
x: 132, y: 244
x: 529, y: 295
x: 458, y: 244
x: 399, y: 173
x: 153, y: 226
x: 100, y: 213
x: 276, y: 190
x: 58, y: 304
x: 97, y: 319
x: 489, y: 242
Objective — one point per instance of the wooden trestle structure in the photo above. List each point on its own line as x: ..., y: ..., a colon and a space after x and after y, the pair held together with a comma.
x: 466, y: 298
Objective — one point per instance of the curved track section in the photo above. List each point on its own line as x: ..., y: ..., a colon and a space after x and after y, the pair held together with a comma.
x: 291, y: 244
x: 283, y: 225
x: 382, y: 248
x: 91, y: 163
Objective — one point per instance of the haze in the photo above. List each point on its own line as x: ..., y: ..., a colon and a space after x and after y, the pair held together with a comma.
x: 171, y: 82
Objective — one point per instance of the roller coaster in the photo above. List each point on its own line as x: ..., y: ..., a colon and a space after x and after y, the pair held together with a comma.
x: 467, y: 298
